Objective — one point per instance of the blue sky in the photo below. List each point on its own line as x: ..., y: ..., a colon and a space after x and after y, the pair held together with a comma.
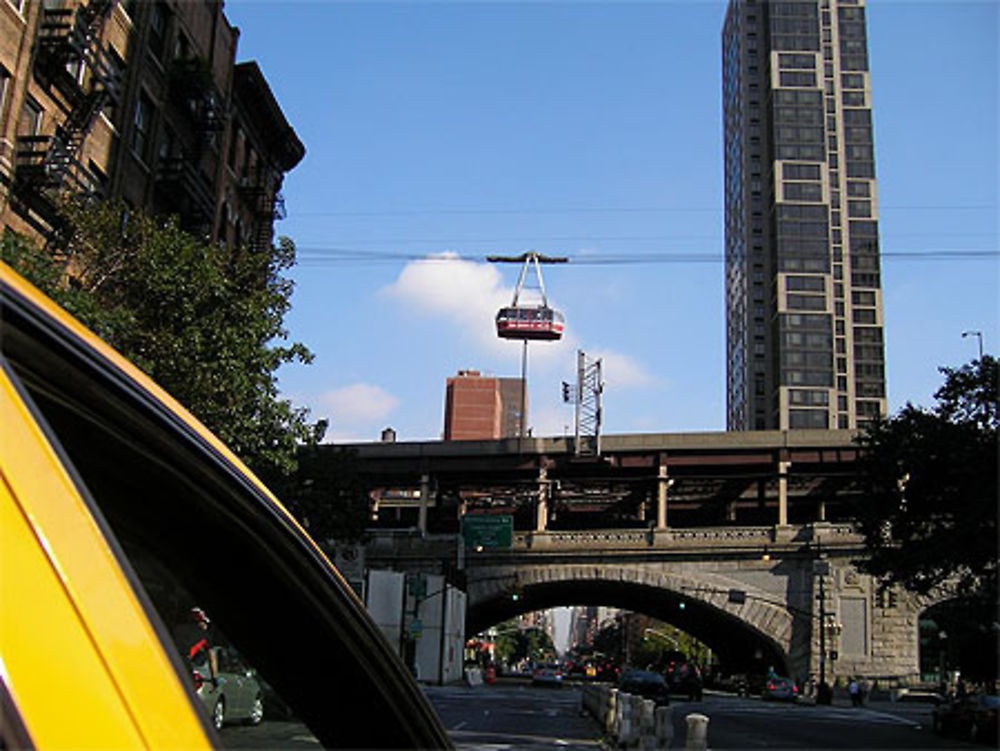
x: 436, y: 130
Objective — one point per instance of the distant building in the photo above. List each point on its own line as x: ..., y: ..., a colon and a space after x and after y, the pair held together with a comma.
x: 804, y: 320
x: 142, y: 102
x: 479, y: 407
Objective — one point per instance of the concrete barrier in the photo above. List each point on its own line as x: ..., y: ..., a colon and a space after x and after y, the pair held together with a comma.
x: 664, y: 727
x: 630, y: 722
x: 697, y: 732
x: 474, y: 677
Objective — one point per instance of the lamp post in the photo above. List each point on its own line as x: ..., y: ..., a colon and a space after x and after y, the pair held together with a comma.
x: 979, y: 336
x: 821, y: 568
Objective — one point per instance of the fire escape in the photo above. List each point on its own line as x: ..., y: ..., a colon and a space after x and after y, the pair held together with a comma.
x: 184, y: 181
x: 266, y: 205
x: 69, y: 51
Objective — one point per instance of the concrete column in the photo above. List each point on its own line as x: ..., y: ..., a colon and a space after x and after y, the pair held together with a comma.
x: 783, y: 493
x: 663, y: 484
x: 425, y: 495
x: 542, y: 514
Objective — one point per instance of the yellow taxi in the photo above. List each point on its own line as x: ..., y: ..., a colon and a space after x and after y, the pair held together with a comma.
x: 120, y: 515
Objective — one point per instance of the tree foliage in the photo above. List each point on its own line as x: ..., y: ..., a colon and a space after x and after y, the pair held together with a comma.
x: 204, y: 321
x: 929, y: 509
x: 514, y: 644
x: 326, y: 494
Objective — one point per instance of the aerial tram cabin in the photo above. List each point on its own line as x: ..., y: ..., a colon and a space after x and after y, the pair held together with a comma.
x: 540, y: 322
x: 534, y: 322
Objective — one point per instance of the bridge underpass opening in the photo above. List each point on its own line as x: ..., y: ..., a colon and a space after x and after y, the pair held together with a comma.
x: 738, y: 646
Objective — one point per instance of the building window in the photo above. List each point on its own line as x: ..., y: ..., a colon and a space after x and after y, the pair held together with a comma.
x: 853, y: 98
x: 142, y: 126
x: 806, y: 302
x: 4, y: 80
x: 30, y: 123
x: 808, y: 418
x: 158, y: 30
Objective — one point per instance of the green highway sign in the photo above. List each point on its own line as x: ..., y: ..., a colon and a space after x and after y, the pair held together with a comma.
x: 488, y: 530
x: 417, y: 585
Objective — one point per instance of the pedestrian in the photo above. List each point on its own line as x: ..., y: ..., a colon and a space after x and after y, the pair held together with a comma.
x: 196, y: 641
x: 855, y: 692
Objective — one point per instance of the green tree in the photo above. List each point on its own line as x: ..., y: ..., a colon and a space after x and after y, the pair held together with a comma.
x: 929, y: 509
x: 514, y: 644
x: 203, y: 320
x: 930, y: 488
x: 326, y: 494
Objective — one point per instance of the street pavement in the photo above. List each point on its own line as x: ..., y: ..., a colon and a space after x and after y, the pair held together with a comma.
x: 519, y: 716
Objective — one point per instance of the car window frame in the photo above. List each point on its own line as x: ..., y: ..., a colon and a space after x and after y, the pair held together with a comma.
x: 37, y: 325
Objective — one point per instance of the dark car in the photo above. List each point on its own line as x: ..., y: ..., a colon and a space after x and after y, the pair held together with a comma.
x: 780, y: 689
x: 685, y: 678
x: 647, y: 684
x: 973, y: 717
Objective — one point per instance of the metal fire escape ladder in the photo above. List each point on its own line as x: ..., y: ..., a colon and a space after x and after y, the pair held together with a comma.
x: 267, y: 205
x: 61, y: 43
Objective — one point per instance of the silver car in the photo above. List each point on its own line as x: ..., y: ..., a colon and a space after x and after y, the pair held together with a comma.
x: 236, y: 696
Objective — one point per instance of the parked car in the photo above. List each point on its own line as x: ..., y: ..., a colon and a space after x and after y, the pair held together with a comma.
x: 548, y: 674
x: 780, y: 689
x: 647, y: 684
x: 119, y: 512
x: 973, y: 717
x: 235, y: 695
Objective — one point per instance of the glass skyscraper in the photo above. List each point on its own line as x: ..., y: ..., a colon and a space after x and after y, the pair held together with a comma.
x: 804, y: 324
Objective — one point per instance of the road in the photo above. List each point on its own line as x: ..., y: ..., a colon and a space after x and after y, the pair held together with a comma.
x: 517, y: 715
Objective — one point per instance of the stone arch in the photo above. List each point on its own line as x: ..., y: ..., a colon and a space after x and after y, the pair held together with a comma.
x: 759, y: 625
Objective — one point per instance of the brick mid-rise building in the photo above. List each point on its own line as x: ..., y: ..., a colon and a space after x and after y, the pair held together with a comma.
x: 143, y: 102
x: 479, y: 407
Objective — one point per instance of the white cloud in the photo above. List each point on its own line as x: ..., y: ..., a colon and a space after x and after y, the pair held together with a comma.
x: 355, y: 404
x: 622, y: 371
x: 548, y: 422
x: 467, y: 295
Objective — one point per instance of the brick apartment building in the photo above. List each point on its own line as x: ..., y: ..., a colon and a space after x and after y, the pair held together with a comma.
x: 479, y: 407
x: 143, y: 102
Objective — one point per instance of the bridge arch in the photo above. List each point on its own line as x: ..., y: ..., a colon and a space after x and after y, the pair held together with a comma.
x: 747, y: 637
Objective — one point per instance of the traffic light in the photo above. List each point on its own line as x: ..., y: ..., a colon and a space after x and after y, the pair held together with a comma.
x: 565, y: 392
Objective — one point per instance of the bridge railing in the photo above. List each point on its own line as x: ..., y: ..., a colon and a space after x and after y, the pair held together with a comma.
x: 410, y: 542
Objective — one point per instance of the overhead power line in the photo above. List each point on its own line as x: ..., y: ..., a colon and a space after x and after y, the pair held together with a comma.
x: 592, y: 210
x: 346, y: 256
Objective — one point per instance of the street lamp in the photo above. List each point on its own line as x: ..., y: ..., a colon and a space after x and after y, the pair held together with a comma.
x: 821, y: 568
x: 979, y: 336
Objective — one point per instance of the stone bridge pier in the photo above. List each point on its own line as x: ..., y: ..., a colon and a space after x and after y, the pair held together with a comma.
x: 752, y: 594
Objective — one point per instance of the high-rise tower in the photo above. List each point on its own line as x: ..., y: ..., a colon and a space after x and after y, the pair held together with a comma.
x: 804, y: 325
